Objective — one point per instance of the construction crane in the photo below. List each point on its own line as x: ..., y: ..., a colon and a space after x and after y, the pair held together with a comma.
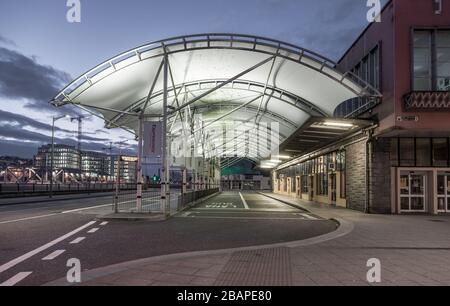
x: 80, y: 128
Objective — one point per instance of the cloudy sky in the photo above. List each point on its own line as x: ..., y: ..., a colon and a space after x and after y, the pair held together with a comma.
x: 40, y: 51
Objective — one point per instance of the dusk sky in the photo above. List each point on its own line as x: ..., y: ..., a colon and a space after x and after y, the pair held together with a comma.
x: 40, y: 51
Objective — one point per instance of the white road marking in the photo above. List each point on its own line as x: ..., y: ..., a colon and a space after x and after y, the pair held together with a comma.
x: 309, y: 217
x: 26, y: 256
x: 91, y: 231
x: 53, y: 255
x: 247, y: 218
x: 77, y: 240
x: 243, y: 201
x: 85, y: 208
x: 15, y: 279
x: 103, y: 223
x: 29, y: 218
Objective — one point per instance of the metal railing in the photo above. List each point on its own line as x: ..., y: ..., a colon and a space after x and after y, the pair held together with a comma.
x: 37, y: 189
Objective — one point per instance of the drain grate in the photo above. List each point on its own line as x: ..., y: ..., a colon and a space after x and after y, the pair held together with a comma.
x: 268, y: 267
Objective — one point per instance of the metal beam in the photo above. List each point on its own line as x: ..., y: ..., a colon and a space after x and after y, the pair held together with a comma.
x: 225, y: 83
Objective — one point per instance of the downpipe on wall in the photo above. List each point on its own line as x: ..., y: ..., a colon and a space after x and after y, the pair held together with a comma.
x: 368, y: 168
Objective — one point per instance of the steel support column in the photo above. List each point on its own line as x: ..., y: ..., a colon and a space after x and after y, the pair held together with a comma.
x: 164, y: 159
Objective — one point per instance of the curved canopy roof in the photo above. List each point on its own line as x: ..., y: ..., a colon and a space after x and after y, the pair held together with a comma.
x: 227, y: 78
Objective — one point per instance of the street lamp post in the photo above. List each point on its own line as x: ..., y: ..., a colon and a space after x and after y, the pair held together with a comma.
x: 53, y: 149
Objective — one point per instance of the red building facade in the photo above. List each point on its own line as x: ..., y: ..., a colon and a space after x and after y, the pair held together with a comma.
x: 403, y: 165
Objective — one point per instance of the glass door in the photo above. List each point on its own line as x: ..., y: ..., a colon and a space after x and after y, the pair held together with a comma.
x: 412, y: 192
x: 443, y: 192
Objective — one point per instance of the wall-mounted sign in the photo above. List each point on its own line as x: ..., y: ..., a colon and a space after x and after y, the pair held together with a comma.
x: 408, y: 118
x: 128, y: 158
x: 152, y: 139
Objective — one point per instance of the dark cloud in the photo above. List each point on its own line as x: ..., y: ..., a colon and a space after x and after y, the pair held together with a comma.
x: 24, y: 142
x: 23, y: 77
x: 27, y: 121
x: 7, y: 41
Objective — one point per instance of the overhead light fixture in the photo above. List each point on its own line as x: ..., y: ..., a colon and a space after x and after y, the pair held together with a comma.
x: 275, y: 161
x: 338, y: 124
x: 267, y: 167
x: 282, y: 156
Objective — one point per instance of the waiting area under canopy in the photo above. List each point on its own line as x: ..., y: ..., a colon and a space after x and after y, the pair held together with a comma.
x: 239, y: 80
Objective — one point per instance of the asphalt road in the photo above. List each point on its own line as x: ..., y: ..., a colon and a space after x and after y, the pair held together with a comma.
x: 37, y: 237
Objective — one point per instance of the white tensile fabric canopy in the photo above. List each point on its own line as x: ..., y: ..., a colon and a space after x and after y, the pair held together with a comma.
x: 225, y: 78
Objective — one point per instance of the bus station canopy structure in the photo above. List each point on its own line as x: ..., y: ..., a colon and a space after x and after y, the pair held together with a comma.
x: 225, y: 78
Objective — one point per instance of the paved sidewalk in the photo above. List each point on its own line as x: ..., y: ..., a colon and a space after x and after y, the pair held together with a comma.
x: 413, y: 250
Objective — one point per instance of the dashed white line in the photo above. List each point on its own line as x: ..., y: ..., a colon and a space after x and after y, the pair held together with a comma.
x: 53, y: 255
x: 77, y: 240
x: 15, y: 279
x: 243, y: 201
x: 93, y: 230
x: 24, y: 257
x: 104, y: 223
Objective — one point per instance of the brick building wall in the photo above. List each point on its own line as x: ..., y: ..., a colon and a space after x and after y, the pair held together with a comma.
x: 356, y: 175
x: 380, y: 177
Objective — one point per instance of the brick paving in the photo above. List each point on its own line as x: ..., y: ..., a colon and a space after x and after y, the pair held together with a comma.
x: 413, y: 250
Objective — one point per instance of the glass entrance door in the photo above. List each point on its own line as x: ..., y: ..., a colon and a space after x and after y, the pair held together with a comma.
x: 412, y: 192
x: 443, y: 192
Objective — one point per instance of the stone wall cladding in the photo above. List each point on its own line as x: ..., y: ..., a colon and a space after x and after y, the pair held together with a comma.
x: 380, y: 177
x: 356, y: 175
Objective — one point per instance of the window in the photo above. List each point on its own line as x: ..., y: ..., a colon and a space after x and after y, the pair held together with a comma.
x: 440, y: 152
x: 305, y: 184
x: 394, y: 152
x: 431, y: 60
x: 322, y: 186
x: 340, y: 166
x: 443, y: 60
x: 368, y: 69
x: 420, y: 152
x: 407, y: 152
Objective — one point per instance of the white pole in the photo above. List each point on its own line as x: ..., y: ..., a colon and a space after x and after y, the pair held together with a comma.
x: 164, y: 178
x: 139, y: 167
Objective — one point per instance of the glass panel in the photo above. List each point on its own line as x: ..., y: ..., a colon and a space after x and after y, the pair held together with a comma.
x: 423, y: 152
x: 422, y: 38
x: 394, y: 152
x: 343, y: 190
x: 417, y: 185
x: 443, y: 84
x: 406, y: 152
x: 422, y: 60
x: 404, y: 203
x: 448, y: 185
x: 404, y: 184
x: 422, y: 84
x: 417, y: 203
x: 440, y: 152
x: 441, y: 203
x: 443, y: 38
x: 441, y: 181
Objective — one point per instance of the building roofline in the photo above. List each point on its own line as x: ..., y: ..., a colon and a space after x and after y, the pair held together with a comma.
x: 362, y: 33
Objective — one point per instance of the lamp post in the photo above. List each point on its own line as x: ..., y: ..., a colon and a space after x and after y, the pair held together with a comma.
x: 53, y: 149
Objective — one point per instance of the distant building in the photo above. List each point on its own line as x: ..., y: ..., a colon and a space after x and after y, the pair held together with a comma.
x: 95, y: 164
x: 72, y: 164
x: 245, y: 182
x: 65, y: 157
